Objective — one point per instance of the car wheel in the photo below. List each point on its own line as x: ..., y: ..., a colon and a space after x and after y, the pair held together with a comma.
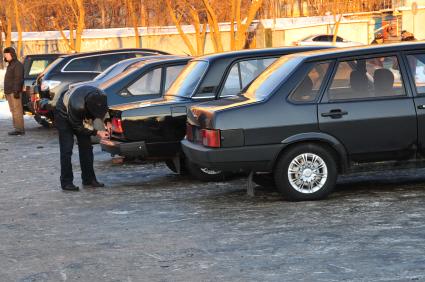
x: 204, y: 174
x: 306, y: 172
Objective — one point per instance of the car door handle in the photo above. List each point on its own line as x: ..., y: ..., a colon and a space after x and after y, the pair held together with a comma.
x: 421, y: 107
x: 335, y: 114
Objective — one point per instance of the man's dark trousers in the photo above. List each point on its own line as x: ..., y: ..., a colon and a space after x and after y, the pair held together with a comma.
x: 85, y: 150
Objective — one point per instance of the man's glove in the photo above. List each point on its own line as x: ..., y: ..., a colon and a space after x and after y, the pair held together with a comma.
x: 16, y: 95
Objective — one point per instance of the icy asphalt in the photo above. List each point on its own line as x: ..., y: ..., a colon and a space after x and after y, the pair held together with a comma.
x: 149, y: 224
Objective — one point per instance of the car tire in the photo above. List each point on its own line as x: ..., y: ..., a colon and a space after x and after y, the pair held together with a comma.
x: 306, y: 172
x: 204, y: 174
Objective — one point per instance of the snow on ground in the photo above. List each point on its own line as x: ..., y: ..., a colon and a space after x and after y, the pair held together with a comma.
x: 4, y: 110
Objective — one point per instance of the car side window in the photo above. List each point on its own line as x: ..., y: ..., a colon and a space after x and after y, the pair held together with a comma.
x: 309, y: 88
x: 171, y: 75
x: 242, y: 74
x: 38, y: 66
x: 88, y: 64
x: 417, y: 69
x: 367, y: 78
x: 148, y: 84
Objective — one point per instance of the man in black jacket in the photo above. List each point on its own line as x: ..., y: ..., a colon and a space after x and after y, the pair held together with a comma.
x: 13, y: 86
x: 74, y: 114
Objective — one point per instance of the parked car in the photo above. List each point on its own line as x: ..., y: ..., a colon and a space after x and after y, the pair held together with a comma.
x: 314, y: 115
x: 33, y: 66
x: 118, y: 69
x: 154, y: 129
x: 68, y: 69
x: 144, y: 80
x: 326, y: 40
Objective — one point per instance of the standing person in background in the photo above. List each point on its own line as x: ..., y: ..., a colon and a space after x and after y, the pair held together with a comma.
x: 13, y: 86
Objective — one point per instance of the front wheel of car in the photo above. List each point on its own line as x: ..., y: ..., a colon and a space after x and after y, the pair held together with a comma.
x: 204, y: 174
x: 306, y: 172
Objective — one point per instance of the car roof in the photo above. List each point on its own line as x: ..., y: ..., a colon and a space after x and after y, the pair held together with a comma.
x: 124, y: 50
x: 360, y: 50
x: 43, y: 55
x: 259, y: 52
x: 153, y: 60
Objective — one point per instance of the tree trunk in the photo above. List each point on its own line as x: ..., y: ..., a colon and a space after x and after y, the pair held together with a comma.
x: 18, y: 28
x: 132, y: 13
x: 80, y: 24
x: 179, y: 28
x: 214, y: 27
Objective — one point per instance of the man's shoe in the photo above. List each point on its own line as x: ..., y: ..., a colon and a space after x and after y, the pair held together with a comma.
x: 94, y: 184
x: 16, y: 133
x: 70, y: 187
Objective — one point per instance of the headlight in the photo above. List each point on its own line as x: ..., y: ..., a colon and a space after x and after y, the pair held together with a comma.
x: 49, y: 84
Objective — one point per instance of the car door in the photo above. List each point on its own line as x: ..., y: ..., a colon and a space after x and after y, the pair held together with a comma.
x: 367, y: 108
x: 416, y: 69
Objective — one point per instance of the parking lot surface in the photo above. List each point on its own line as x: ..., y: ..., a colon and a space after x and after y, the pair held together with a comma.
x: 149, y: 224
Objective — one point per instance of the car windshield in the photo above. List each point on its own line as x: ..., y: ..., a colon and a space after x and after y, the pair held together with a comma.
x: 188, y: 79
x: 264, y: 85
x: 53, y: 64
x: 114, y: 70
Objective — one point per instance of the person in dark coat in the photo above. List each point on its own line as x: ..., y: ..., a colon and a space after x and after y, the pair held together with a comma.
x: 75, y: 112
x: 13, y: 87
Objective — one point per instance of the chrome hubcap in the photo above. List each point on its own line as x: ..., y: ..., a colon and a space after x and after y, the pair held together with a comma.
x: 307, y: 173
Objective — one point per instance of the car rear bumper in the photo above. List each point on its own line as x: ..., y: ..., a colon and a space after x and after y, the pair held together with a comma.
x: 141, y: 149
x: 250, y: 158
x: 136, y: 149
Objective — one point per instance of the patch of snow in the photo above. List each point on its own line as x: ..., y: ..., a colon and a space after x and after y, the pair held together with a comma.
x: 4, y: 110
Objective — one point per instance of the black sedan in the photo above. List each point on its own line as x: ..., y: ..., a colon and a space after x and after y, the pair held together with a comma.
x: 154, y: 129
x: 314, y: 115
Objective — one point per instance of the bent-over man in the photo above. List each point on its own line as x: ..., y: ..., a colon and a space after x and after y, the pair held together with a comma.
x: 74, y: 114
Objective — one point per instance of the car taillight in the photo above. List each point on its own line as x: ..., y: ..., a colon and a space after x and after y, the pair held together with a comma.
x: 189, y: 132
x: 211, y: 138
x: 117, y: 126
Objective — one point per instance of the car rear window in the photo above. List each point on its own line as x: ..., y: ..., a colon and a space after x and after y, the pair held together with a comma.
x: 187, y: 81
x: 265, y: 84
x: 243, y: 73
x: 38, y: 66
